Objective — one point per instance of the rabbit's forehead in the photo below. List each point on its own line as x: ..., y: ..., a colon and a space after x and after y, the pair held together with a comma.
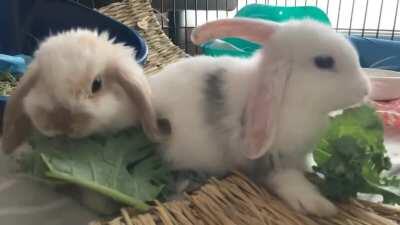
x: 80, y: 46
x: 67, y: 81
x: 308, y: 42
x: 70, y: 70
x: 70, y: 57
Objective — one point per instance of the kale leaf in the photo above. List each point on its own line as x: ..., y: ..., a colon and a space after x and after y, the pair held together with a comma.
x: 123, y: 166
x: 352, y: 157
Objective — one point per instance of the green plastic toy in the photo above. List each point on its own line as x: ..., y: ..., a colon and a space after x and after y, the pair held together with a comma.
x: 243, y: 48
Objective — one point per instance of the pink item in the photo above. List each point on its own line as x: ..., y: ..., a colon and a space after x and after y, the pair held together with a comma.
x: 389, y: 112
x: 385, y: 95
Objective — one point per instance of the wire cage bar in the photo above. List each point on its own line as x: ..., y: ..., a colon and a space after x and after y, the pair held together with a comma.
x: 366, y: 18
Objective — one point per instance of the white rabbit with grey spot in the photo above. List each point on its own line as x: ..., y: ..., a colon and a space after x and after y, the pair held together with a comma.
x: 267, y: 111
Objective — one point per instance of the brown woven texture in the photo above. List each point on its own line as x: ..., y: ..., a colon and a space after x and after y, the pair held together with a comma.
x: 139, y: 14
x: 234, y: 200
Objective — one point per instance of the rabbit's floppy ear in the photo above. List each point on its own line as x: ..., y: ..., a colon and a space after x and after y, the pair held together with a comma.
x: 140, y: 96
x: 251, y: 29
x: 263, y: 108
x: 17, y: 126
x: 261, y: 113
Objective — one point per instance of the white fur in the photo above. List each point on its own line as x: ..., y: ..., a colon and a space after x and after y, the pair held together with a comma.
x: 67, y: 63
x: 299, y: 193
x: 178, y: 97
x: 310, y: 95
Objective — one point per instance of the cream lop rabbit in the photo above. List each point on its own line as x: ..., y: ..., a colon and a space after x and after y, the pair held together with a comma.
x: 79, y: 83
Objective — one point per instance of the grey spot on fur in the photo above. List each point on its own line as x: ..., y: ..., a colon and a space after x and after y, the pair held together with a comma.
x: 243, y: 118
x: 216, y: 110
x: 242, y: 123
x: 164, y: 126
x: 271, y: 161
x: 263, y: 166
x: 214, y: 96
x: 185, y: 181
x: 281, y: 156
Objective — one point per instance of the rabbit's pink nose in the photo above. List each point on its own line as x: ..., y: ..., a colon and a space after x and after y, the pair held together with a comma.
x: 61, y: 118
x: 64, y: 121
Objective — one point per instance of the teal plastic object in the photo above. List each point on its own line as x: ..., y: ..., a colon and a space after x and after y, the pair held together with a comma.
x: 243, y: 48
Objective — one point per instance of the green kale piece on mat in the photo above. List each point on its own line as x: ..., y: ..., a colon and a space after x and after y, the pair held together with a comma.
x: 352, y: 157
x: 123, y: 166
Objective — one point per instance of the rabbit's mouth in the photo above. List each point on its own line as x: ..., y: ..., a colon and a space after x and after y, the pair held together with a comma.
x: 75, y: 134
x: 61, y: 121
x: 364, y: 101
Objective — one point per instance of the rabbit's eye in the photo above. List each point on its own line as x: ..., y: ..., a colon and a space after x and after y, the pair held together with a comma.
x: 324, y: 62
x: 96, y: 85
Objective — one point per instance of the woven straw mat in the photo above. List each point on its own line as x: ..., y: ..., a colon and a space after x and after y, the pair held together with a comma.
x: 235, y: 199
x: 139, y: 15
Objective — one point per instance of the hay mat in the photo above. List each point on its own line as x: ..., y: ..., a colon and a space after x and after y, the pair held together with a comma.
x: 139, y: 14
x: 234, y: 200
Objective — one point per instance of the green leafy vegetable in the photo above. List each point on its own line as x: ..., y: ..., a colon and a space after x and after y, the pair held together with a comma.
x: 123, y: 166
x: 352, y: 157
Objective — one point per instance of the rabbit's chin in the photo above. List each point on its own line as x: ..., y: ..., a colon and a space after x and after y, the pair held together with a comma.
x: 72, y: 134
x: 365, y: 101
x: 356, y: 105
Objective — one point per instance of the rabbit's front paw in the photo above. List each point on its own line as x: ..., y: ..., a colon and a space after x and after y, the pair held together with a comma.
x: 292, y: 187
x: 309, y: 203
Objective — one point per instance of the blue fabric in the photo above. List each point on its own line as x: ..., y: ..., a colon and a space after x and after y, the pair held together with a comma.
x: 378, y: 53
x: 25, y: 23
x: 16, y: 65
